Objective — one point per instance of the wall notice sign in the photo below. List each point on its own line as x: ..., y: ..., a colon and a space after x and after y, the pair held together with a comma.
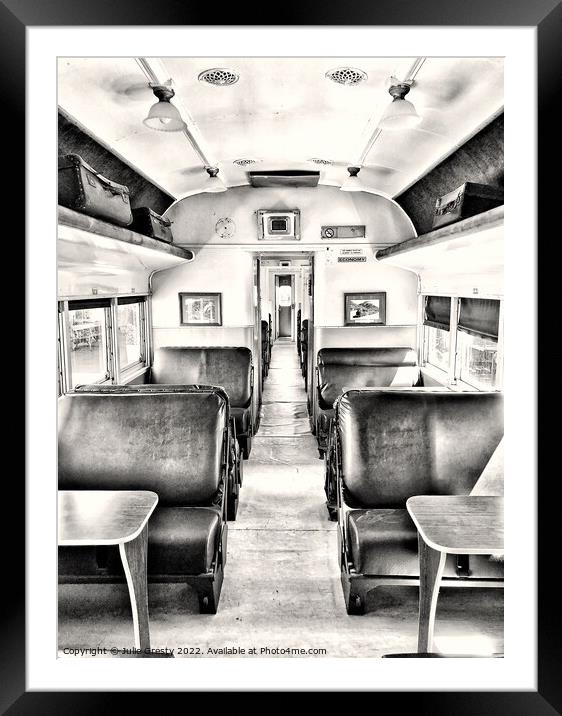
x: 351, y: 259
x: 342, y: 232
x: 344, y: 256
x: 352, y: 256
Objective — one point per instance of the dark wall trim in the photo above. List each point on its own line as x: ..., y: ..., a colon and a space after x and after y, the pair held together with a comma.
x: 74, y: 140
x: 478, y: 160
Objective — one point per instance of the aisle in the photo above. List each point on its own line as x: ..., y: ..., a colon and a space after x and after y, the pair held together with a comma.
x: 282, y: 586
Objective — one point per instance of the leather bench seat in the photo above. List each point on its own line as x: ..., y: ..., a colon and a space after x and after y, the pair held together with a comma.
x: 340, y: 368
x: 394, y: 444
x: 304, y: 348
x: 385, y: 542
x: 171, y: 440
x: 227, y: 367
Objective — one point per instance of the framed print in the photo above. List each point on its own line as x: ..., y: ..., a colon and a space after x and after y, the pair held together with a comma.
x: 495, y: 57
x: 200, y: 309
x: 365, y: 309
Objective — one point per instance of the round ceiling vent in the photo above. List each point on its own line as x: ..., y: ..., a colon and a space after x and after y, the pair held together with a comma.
x: 244, y: 162
x: 347, y: 75
x: 219, y: 76
x: 323, y: 162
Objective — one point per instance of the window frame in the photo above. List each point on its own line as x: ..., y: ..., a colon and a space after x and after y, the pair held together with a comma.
x: 132, y: 368
x: 115, y: 374
x: 426, y: 360
x: 451, y: 378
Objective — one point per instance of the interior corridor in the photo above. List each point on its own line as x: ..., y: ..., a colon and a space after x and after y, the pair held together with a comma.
x: 282, y: 587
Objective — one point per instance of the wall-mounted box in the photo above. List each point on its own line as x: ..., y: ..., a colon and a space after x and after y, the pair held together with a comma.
x: 278, y: 225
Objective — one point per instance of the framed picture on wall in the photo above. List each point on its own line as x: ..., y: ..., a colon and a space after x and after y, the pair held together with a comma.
x: 200, y: 309
x: 365, y: 309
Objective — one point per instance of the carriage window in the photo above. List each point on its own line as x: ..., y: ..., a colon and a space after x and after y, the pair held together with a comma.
x: 437, y: 347
x: 477, y: 342
x: 437, y: 313
x: 477, y: 358
x: 88, y: 345
x: 130, y: 333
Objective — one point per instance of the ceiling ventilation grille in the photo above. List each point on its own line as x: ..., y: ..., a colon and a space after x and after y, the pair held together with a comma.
x: 244, y: 162
x: 347, y: 75
x: 219, y: 76
x: 296, y: 178
x: 323, y: 162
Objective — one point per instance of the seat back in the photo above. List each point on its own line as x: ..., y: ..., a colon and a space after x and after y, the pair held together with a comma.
x: 168, y: 439
x: 340, y: 368
x: 264, y: 331
x: 400, y: 443
x: 230, y: 368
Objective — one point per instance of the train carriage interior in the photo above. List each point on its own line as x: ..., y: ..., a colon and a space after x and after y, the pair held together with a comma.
x: 280, y: 356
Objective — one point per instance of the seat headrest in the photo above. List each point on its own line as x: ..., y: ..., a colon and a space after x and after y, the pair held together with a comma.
x: 388, y: 356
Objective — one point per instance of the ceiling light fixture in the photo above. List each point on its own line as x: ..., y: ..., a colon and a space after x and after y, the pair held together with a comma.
x: 163, y: 116
x: 400, y: 113
x: 214, y: 183
x: 353, y: 182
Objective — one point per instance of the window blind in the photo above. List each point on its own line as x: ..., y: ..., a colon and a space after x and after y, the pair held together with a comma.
x: 437, y: 313
x: 479, y: 317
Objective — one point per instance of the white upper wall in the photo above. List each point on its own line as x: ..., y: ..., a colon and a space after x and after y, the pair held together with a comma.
x: 195, y: 217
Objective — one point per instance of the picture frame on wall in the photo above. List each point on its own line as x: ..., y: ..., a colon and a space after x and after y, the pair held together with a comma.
x: 200, y: 309
x: 365, y: 309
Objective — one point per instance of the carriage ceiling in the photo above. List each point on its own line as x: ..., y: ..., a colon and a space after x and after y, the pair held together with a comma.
x: 282, y: 113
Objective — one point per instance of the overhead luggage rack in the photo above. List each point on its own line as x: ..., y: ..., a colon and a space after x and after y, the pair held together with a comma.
x: 74, y: 225
x: 485, y: 221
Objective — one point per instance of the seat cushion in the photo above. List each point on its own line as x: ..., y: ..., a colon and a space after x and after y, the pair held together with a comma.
x: 242, y: 419
x: 385, y: 543
x: 181, y: 540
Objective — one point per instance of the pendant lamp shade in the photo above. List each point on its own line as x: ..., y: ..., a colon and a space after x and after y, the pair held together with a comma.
x: 163, y: 116
x: 400, y: 113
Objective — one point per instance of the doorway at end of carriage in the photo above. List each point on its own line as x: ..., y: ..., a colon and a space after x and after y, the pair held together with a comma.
x: 285, y: 305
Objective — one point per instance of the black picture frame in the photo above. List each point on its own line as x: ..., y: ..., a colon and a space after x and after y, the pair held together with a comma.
x: 195, y: 295
x: 546, y: 17
x: 364, y: 309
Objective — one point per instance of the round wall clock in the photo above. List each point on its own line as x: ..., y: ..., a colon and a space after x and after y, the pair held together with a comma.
x: 225, y: 228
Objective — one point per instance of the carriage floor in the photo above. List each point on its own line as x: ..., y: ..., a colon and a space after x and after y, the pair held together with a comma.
x: 281, y: 587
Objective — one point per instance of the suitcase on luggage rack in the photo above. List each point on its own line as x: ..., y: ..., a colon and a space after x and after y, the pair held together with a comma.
x: 84, y: 189
x: 149, y: 223
x: 466, y: 200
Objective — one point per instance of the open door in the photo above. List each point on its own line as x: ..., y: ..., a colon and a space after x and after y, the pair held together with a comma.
x: 285, y: 304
